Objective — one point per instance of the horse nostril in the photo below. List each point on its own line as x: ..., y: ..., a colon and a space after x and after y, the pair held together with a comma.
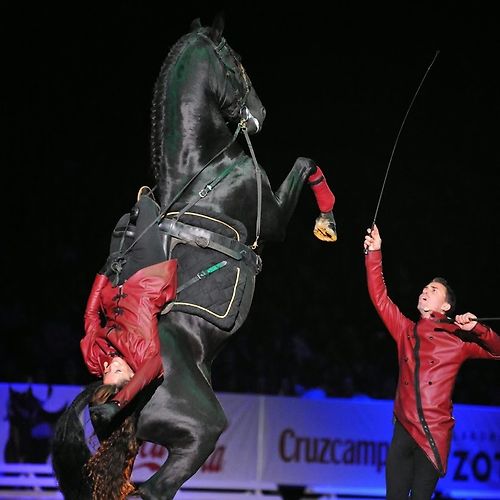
x: 263, y: 111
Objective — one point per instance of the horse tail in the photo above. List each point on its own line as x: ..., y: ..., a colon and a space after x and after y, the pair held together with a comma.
x: 70, y: 451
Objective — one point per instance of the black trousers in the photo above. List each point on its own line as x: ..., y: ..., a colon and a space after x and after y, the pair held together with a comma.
x: 408, y: 471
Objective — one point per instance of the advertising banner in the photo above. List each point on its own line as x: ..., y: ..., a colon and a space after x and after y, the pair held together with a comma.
x: 337, y: 445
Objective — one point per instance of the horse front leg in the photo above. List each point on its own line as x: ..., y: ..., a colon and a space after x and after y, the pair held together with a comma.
x: 286, y: 197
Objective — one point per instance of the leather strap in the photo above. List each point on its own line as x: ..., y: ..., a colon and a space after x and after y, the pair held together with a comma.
x: 203, y: 238
x: 201, y: 275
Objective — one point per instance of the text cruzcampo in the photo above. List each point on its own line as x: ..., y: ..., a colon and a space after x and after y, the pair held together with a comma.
x: 327, y: 450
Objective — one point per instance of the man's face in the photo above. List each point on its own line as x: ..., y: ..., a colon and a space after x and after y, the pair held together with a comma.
x: 433, y: 299
x: 118, y: 372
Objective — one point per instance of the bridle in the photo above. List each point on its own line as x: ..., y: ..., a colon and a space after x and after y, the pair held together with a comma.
x: 239, y: 107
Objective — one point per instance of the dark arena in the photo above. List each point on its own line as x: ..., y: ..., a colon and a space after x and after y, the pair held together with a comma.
x: 253, y: 252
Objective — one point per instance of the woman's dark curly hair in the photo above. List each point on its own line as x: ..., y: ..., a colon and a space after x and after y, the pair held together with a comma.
x: 110, y: 468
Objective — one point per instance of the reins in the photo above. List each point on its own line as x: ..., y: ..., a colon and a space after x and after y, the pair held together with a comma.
x: 258, y: 177
x: 209, y: 186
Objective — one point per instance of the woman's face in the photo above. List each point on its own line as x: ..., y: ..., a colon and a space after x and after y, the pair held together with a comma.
x: 118, y: 372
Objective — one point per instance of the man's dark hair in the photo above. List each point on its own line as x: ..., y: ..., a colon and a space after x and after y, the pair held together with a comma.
x: 450, y: 294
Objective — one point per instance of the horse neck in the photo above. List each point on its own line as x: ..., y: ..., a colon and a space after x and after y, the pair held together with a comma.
x: 195, y: 130
x: 197, y: 145
x: 198, y: 131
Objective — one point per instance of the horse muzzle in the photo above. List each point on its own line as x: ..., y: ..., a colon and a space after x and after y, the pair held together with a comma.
x: 250, y: 121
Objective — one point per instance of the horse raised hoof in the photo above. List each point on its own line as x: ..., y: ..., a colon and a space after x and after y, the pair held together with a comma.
x: 325, y: 228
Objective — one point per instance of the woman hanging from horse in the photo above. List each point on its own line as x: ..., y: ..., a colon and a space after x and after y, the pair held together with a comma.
x: 121, y: 343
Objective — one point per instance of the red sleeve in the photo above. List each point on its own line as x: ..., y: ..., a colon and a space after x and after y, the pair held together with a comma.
x: 389, y: 313
x: 149, y: 371
x: 92, y: 324
x: 140, y: 347
x: 138, y: 341
x: 147, y: 292
x: 489, y: 339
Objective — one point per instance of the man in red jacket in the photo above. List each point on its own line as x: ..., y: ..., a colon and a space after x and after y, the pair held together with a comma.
x: 121, y: 342
x: 430, y: 353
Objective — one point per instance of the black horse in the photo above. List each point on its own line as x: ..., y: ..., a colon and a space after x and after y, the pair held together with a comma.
x: 217, y: 210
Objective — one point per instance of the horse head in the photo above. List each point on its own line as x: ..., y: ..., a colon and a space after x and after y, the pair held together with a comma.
x: 239, y: 100
x: 202, y: 90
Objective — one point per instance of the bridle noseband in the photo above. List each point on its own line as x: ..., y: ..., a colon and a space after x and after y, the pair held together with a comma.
x: 239, y: 107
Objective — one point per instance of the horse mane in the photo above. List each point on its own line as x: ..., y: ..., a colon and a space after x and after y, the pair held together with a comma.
x: 158, y: 108
x: 158, y: 122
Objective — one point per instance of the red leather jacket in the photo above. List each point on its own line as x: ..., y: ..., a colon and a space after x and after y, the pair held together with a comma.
x: 123, y: 321
x: 429, y: 361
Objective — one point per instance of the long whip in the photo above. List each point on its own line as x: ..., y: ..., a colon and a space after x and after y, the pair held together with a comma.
x: 399, y: 133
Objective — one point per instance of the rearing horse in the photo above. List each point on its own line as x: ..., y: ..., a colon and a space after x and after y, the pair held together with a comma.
x: 217, y: 210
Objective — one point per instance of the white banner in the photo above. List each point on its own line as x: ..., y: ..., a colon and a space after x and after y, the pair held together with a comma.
x: 337, y: 445
x: 326, y: 442
x: 234, y: 459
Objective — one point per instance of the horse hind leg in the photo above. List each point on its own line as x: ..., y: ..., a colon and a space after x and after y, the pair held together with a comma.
x: 184, y: 414
x: 195, y: 439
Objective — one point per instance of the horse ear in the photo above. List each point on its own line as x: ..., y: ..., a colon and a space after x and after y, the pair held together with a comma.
x: 217, y: 28
x: 195, y: 24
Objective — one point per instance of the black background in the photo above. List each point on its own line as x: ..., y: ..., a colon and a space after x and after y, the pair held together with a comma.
x: 78, y: 81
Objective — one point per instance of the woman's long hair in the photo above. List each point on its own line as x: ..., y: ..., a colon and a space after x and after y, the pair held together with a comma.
x: 110, y: 468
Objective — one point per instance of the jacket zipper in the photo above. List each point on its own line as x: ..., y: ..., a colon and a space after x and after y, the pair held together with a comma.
x: 420, y: 410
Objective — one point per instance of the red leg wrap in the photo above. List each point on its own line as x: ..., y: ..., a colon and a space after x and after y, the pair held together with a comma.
x: 324, y: 196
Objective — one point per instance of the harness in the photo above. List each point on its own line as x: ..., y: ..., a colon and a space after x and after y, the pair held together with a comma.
x: 204, y: 238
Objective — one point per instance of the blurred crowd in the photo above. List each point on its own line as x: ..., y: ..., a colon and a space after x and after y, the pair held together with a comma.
x: 272, y: 354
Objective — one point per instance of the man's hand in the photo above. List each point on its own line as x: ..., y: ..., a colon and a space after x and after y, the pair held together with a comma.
x: 466, y: 321
x: 373, y: 241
